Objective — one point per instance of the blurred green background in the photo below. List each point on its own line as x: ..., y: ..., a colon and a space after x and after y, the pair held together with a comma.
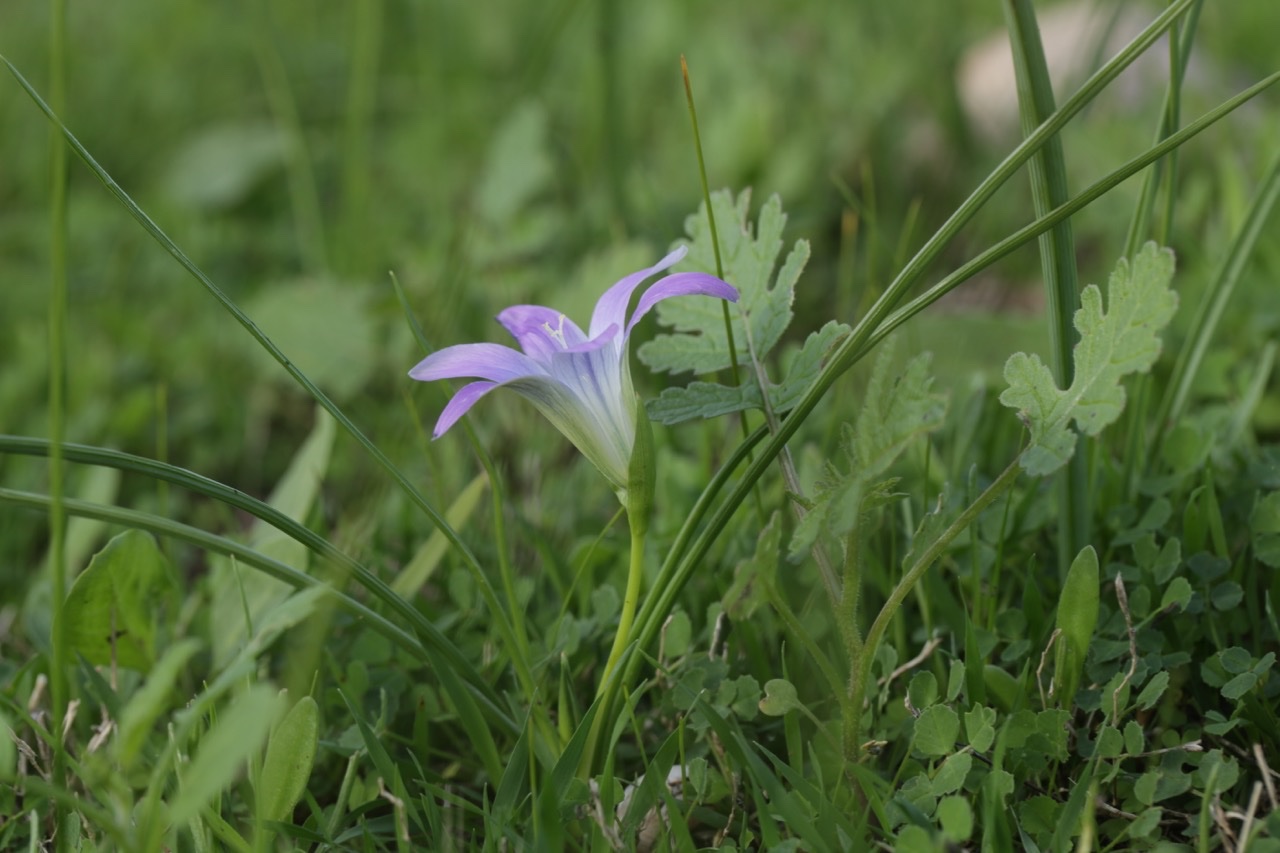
x: 512, y: 152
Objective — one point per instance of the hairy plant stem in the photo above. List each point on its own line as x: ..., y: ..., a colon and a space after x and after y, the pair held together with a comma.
x: 715, y: 249
x: 801, y: 635
x: 847, y: 619
x: 861, y: 665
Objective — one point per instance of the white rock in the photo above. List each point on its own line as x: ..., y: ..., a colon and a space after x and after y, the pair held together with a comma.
x: 1078, y: 38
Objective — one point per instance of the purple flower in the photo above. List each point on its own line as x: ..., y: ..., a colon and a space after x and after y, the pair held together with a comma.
x: 581, y: 382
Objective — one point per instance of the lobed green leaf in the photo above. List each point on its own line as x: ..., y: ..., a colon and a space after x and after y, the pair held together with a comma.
x: 749, y: 258
x: 711, y: 399
x: 936, y: 730
x: 1113, y: 344
x: 894, y: 412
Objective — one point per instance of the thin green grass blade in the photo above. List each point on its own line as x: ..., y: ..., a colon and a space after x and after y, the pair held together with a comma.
x: 882, y: 319
x: 566, y: 767
x: 496, y: 486
x: 387, y: 768
x: 1048, y: 183
x: 1057, y: 252
x: 1170, y: 116
x: 288, y: 574
x: 1204, y: 323
x: 59, y: 684
x: 224, y: 831
x: 815, y: 835
x: 678, y: 823
x: 512, y: 785
x: 646, y: 796
x: 304, y: 193
x: 933, y: 247
x: 828, y: 812
x: 358, y: 248
x: 655, y: 607
x: 472, y: 722
x: 317, y: 544
x: 100, y: 818
x: 1034, y: 229
x: 1160, y: 178
x: 487, y: 592
x: 1069, y: 821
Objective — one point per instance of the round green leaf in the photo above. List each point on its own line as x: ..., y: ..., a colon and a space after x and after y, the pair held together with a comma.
x: 914, y: 839
x: 951, y: 775
x: 923, y: 690
x: 779, y: 698
x: 1176, y: 594
x: 955, y: 817
x: 936, y: 730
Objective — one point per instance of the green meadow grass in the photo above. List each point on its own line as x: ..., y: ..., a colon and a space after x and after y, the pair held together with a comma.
x: 901, y: 588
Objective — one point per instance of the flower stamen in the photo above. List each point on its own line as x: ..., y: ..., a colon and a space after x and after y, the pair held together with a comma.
x: 556, y: 334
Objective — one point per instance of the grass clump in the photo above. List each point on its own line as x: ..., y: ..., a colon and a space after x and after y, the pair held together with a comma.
x: 903, y: 602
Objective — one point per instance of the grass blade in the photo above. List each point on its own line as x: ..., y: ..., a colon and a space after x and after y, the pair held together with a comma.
x: 1204, y: 323
x: 317, y: 544
x: 279, y: 571
x: 1057, y: 252
x: 500, y: 618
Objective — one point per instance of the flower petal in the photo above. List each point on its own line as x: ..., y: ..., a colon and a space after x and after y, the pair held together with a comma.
x: 608, y: 336
x: 682, y: 284
x: 541, y: 331
x: 591, y: 409
x: 612, y: 307
x: 460, y: 404
x: 482, y: 361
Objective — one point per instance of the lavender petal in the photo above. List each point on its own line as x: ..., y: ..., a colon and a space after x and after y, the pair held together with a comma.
x: 681, y: 284
x: 541, y: 331
x: 460, y: 404
x: 611, y: 309
x: 482, y: 361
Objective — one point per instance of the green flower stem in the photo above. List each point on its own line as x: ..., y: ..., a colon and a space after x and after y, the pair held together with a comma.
x: 611, y: 680
x: 630, y: 600
x: 638, y: 502
x: 861, y: 670
x: 711, y: 221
